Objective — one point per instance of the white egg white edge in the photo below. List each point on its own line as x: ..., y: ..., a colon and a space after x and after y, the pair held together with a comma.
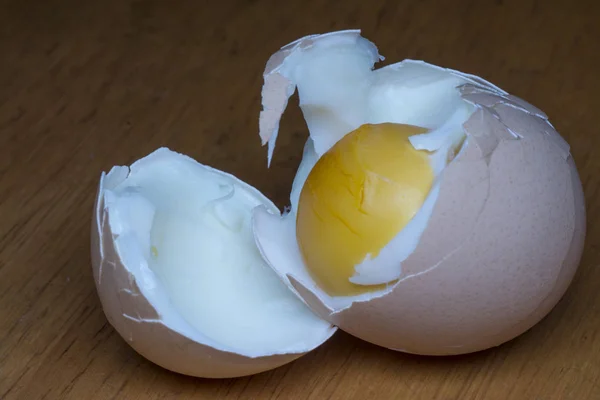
x: 132, y: 259
x: 275, y: 232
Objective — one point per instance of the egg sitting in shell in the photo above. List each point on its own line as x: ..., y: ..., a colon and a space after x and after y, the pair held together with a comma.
x: 432, y: 213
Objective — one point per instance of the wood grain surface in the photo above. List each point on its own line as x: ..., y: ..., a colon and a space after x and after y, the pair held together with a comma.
x: 85, y: 85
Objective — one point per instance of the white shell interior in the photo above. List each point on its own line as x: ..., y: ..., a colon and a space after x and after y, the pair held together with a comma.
x: 339, y: 91
x: 184, y: 231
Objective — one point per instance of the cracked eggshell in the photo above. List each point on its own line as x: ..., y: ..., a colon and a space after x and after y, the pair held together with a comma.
x: 501, y: 247
x: 139, y: 323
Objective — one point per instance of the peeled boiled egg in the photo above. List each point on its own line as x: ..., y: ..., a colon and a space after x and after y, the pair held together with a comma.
x: 432, y: 213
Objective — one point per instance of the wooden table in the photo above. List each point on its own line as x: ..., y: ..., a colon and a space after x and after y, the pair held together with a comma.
x: 87, y: 85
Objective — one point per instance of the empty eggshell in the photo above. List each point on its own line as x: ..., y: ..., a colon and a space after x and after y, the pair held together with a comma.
x: 129, y: 292
x: 502, y: 243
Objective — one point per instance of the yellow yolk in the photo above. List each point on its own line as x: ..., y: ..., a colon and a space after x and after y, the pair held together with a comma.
x: 358, y: 196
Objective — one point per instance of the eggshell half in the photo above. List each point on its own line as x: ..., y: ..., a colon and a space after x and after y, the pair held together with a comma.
x: 501, y: 247
x: 138, y: 321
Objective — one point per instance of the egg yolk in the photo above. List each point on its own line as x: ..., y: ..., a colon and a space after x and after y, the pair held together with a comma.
x: 358, y: 196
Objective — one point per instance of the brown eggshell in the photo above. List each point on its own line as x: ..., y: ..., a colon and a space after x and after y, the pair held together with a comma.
x: 139, y: 323
x: 500, y: 250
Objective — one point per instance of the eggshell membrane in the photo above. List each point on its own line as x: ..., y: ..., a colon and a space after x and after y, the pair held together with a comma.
x: 139, y: 323
x: 500, y: 249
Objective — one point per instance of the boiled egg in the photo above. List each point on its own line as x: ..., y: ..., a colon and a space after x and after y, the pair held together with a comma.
x: 432, y: 213
x: 180, y: 277
x: 457, y: 243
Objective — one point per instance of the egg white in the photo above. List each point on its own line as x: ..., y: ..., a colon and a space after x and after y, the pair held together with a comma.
x: 183, y: 231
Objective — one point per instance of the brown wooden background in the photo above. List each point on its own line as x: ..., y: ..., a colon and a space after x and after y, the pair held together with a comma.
x: 85, y: 85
